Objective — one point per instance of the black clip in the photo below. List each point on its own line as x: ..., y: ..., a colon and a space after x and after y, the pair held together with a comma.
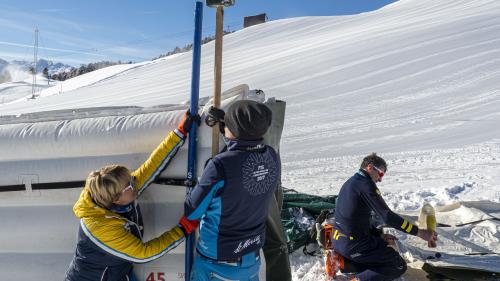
x: 190, y: 183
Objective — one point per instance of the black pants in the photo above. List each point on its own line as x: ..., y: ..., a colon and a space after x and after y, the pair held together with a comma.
x: 376, y: 261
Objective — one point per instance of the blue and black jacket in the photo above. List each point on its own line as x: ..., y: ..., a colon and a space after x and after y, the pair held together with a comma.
x: 358, y: 197
x: 232, y: 199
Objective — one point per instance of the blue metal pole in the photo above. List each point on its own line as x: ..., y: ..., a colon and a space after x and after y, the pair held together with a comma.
x: 193, y: 108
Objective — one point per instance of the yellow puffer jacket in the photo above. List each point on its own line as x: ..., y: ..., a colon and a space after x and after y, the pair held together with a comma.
x: 106, y: 245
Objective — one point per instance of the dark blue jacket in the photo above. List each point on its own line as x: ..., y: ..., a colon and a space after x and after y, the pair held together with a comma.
x: 88, y: 255
x: 358, y: 197
x: 232, y: 199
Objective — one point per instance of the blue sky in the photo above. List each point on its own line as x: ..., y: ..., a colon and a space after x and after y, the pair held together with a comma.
x: 77, y: 32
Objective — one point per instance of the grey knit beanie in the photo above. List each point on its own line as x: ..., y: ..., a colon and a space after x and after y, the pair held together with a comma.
x: 248, y: 120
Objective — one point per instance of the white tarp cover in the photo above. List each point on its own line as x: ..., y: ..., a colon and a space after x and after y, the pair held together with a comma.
x: 468, y: 237
x: 64, y: 146
x: 39, y: 233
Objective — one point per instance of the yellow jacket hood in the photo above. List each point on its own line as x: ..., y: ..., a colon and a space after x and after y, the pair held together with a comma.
x: 86, y: 207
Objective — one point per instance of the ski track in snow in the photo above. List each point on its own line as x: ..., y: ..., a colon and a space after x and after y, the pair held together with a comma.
x: 414, y: 177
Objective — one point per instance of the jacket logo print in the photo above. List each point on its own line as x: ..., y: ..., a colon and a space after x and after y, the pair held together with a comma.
x: 259, y: 173
x: 243, y: 245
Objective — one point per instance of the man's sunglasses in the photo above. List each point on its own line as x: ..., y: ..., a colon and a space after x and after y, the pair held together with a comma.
x: 380, y: 172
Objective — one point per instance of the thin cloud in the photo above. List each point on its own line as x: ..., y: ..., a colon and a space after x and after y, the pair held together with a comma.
x: 62, y: 38
x: 72, y: 24
x: 145, y: 13
x: 72, y: 42
x: 53, y: 10
x: 13, y: 56
x: 49, y: 36
x: 54, y: 20
x: 49, y: 49
x: 127, y: 51
x: 10, y: 56
x: 14, y: 25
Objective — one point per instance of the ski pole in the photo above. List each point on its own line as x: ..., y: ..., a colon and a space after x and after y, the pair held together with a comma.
x: 193, y: 109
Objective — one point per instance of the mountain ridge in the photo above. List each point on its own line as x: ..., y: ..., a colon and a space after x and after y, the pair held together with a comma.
x: 18, y: 70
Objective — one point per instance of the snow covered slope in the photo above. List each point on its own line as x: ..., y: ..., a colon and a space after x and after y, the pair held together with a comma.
x: 416, y: 81
x: 19, y: 91
x: 417, y: 77
x: 413, y: 75
x: 22, y: 90
x: 14, y: 91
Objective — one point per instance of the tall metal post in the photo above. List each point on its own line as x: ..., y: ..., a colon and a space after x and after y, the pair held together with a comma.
x: 193, y: 108
x: 35, y: 54
x: 219, y: 33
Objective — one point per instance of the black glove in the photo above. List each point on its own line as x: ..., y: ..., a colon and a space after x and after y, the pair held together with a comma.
x: 215, y: 115
x: 187, y: 122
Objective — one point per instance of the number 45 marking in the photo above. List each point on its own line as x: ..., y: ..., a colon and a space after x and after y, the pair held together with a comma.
x: 160, y: 276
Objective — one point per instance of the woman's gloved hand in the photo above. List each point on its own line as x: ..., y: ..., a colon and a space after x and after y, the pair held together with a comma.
x: 188, y: 226
x: 187, y: 122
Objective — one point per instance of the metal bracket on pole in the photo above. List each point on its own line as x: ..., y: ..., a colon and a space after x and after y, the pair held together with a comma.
x: 217, y: 3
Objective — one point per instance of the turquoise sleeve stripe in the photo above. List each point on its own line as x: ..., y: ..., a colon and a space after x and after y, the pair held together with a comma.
x: 209, y: 230
x: 203, y: 206
x: 122, y: 255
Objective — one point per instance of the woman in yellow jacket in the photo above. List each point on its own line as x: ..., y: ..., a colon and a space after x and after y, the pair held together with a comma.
x: 110, y: 232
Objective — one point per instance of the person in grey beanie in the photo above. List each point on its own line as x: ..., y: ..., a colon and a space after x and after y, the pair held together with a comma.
x: 232, y: 197
x: 248, y: 120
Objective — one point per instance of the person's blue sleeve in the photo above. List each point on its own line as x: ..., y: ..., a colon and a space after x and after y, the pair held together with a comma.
x: 198, y: 198
x: 374, y: 199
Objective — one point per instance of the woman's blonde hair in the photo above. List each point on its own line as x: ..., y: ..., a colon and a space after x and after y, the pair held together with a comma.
x: 107, y: 184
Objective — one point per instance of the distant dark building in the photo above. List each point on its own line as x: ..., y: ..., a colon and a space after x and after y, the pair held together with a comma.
x: 253, y: 20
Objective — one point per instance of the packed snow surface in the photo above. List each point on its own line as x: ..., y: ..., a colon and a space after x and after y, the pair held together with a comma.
x: 23, y: 89
x: 416, y: 81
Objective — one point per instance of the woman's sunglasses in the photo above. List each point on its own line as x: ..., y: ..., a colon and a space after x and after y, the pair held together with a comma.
x: 131, y: 185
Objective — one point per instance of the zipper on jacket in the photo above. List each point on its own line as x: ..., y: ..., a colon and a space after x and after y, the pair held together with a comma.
x: 137, y: 217
x: 220, y: 277
x: 104, y: 273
